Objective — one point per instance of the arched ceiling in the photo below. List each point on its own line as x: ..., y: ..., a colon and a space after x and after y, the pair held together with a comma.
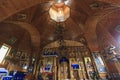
x: 85, y: 14
x: 92, y: 23
x: 10, y: 7
x: 111, y: 22
x: 33, y: 32
x: 114, y: 2
x: 9, y: 31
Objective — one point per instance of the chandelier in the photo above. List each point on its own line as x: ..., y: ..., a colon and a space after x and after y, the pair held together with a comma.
x: 59, y: 12
x: 60, y: 38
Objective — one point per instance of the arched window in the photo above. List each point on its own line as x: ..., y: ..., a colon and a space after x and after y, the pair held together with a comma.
x: 4, y: 50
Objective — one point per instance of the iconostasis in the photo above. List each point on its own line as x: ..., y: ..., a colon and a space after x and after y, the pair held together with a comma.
x: 81, y: 65
x: 77, y: 63
x: 47, y: 66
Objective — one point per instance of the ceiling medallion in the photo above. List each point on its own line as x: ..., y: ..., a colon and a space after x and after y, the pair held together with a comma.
x: 59, y: 12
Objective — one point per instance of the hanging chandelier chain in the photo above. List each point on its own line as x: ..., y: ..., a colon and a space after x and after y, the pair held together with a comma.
x: 59, y: 31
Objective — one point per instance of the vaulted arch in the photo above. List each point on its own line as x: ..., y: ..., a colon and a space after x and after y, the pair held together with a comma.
x: 34, y: 33
x: 10, y: 7
x: 91, y: 25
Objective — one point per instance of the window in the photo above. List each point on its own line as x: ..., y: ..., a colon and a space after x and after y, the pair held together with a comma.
x: 3, y: 51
